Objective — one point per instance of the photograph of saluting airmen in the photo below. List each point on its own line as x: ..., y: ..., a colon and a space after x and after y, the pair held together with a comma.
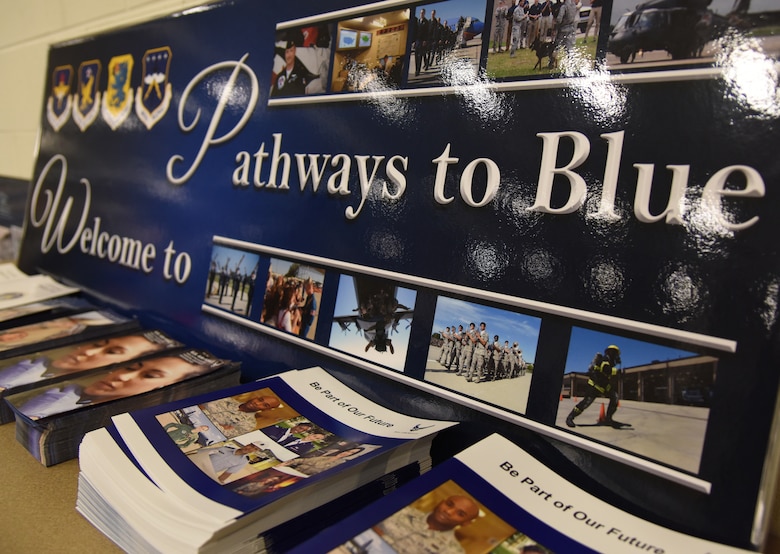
x: 373, y: 319
x: 641, y: 396
x: 231, y: 279
x: 483, y: 351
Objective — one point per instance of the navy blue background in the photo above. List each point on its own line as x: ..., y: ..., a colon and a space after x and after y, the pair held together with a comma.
x: 700, y: 123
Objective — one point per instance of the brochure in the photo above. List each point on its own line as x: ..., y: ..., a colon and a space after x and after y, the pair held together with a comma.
x: 495, y: 497
x: 34, y: 288
x: 29, y: 371
x: 49, y: 333
x: 51, y: 420
x: 242, y: 461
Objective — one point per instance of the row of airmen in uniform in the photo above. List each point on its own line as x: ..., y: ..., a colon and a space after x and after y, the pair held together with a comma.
x: 469, y: 353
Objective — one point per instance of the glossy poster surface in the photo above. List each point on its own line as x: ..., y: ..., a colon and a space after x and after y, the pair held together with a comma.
x: 305, y: 183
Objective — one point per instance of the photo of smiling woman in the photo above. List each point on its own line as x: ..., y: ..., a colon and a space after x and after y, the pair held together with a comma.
x: 124, y: 381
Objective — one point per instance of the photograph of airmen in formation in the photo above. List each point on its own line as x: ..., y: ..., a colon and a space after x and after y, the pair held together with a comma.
x: 231, y: 280
x: 446, y: 519
x: 373, y: 320
x: 482, y: 351
x: 255, y: 443
x: 446, y: 42
x: 643, y: 397
x: 292, y: 297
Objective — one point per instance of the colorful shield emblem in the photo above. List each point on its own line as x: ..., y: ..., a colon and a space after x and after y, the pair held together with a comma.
x: 58, y: 105
x: 118, y: 96
x: 153, y: 96
x: 86, y: 101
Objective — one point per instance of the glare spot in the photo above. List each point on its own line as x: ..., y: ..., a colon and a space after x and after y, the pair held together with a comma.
x: 475, y: 89
x: 485, y: 261
x: 769, y: 311
x: 541, y: 267
x: 751, y: 75
x: 604, y: 100
x: 381, y: 94
x: 681, y: 294
x: 386, y: 245
x: 605, y: 282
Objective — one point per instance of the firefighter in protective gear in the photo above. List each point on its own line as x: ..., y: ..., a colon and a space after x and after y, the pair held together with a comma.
x: 600, y: 383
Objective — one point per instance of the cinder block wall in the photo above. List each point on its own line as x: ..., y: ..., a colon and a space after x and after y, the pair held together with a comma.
x: 26, y: 30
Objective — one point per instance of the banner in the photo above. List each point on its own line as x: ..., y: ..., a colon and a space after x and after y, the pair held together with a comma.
x: 555, y: 214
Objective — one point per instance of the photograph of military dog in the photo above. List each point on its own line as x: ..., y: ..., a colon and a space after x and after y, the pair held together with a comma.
x: 531, y: 38
x: 669, y: 34
x: 482, y: 351
x: 641, y: 396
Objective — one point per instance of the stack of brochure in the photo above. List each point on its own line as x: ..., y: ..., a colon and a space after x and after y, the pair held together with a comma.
x: 51, y: 419
x: 225, y: 471
x: 48, y: 366
x: 494, y: 497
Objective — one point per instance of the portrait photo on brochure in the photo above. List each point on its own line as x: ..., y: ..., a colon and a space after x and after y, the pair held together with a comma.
x: 445, y: 519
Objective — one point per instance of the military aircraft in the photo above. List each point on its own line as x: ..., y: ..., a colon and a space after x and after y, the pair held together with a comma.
x: 681, y: 27
x: 377, y: 314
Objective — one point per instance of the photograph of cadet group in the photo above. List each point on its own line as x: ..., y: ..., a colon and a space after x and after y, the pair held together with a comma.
x: 483, y: 351
x: 531, y: 37
x: 446, y: 41
x: 642, y: 397
x: 372, y: 320
x: 448, y: 520
x: 255, y: 444
x: 231, y: 279
x: 292, y: 297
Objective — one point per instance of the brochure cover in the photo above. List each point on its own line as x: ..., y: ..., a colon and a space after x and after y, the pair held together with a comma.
x: 48, y: 309
x: 52, y: 419
x: 15, y: 341
x: 247, y: 459
x: 335, y: 183
x: 35, y: 370
x: 19, y: 291
x: 494, y: 497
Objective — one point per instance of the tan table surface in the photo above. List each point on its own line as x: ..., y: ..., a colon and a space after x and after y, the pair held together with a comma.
x: 39, y: 505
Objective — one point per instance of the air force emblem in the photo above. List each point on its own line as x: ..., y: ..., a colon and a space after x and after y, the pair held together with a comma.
x: 59, y: 103
x: 153, y: 96
x: 118, y: 97
x: 86, y: 101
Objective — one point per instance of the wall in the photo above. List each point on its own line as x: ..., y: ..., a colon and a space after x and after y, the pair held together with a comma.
x: 26, y: 31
